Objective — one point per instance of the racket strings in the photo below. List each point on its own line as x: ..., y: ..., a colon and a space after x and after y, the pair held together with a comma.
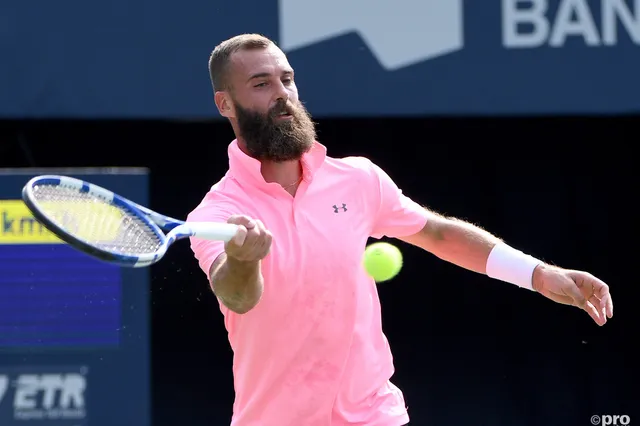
x: 96, y: 221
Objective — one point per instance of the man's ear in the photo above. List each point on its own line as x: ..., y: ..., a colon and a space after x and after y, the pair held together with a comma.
x: 224, y: 104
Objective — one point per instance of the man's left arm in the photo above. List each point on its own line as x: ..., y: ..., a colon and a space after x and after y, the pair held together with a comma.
x: 475, y: 249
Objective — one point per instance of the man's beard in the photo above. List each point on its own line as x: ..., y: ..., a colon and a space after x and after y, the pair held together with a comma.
x: 267, y: 138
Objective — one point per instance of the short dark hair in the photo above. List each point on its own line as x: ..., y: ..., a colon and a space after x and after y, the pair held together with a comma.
x: 221, y: 55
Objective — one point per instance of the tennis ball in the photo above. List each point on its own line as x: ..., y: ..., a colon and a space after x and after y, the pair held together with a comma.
x: 382, y: 261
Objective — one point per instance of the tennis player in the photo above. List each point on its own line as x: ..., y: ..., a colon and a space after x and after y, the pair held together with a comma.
x: 303, y: 318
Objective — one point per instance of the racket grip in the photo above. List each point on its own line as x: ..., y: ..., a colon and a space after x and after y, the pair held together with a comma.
x: 212, y: 230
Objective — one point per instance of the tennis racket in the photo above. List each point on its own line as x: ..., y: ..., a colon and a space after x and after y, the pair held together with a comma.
x: 107, y: 226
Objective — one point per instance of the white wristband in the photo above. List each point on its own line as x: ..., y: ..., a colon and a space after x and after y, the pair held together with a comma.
x: 510, y: 265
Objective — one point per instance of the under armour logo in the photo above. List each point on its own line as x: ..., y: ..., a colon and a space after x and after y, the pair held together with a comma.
x: 336, y: 209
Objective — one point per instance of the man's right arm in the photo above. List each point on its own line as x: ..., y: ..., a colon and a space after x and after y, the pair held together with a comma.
x: 235, y: 275
x: 238, y: 284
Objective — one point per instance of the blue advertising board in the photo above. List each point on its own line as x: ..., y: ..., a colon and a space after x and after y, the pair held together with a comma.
x: 133, y: 58
x: 74, y: 331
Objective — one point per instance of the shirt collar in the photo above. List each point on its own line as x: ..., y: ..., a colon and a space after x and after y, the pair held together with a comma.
x: 247, y: 169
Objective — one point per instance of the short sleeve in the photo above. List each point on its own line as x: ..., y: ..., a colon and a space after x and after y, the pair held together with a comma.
x: 214, y: 208
x: 396, y: 215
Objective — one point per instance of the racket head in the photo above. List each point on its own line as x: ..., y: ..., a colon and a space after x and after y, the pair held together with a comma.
x: 95, y: 220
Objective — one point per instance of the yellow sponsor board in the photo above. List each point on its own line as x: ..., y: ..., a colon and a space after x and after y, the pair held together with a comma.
x: 90, y: 221
x: 18, y: 226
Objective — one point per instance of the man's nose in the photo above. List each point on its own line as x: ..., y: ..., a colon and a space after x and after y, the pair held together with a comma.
x: 282, y: 93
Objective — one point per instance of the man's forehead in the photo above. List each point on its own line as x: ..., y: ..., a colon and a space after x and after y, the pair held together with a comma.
x: 268, y: 60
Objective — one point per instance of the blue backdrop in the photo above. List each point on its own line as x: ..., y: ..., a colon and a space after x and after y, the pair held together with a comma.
x: 136, y: 58
x: 74, y: 331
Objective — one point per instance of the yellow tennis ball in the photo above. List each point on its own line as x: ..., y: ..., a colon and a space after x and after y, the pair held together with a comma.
x: 382, y: 261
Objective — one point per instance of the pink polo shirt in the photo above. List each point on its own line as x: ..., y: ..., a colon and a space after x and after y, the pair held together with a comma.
x: 312, y: 352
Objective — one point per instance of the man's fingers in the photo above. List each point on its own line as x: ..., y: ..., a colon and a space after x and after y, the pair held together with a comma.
x: 594, y: 313
x: 601, y: 289
x: 589, y: 284
x: 259, y: 227
x: 240, y: 237
x: 607, y: 305
x: 266, y: 244
x: 243, y: 220
x: 264, y: 239
x: 251, y: 242
x: 245, y: 225
x: 590, y: 306
x: 582, y: 290
x: 560, y: 298
x: 574, y: 293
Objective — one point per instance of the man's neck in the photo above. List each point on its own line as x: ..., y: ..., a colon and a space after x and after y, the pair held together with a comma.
x: 286, y: 173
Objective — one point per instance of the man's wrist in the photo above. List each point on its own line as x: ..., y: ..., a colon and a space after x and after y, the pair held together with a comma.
x: 536, y: 277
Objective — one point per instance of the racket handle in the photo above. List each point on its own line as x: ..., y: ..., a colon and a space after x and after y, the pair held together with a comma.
x: 212, y: 231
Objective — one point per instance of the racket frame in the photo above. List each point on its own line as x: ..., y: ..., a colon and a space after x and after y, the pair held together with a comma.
x: 177, y: 229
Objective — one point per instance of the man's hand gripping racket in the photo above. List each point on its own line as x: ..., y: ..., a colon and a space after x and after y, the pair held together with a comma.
x: 110, y: 227
x: 251, y: 242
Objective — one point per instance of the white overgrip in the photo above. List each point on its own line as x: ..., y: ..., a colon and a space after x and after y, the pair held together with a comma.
x: 214, y: 231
